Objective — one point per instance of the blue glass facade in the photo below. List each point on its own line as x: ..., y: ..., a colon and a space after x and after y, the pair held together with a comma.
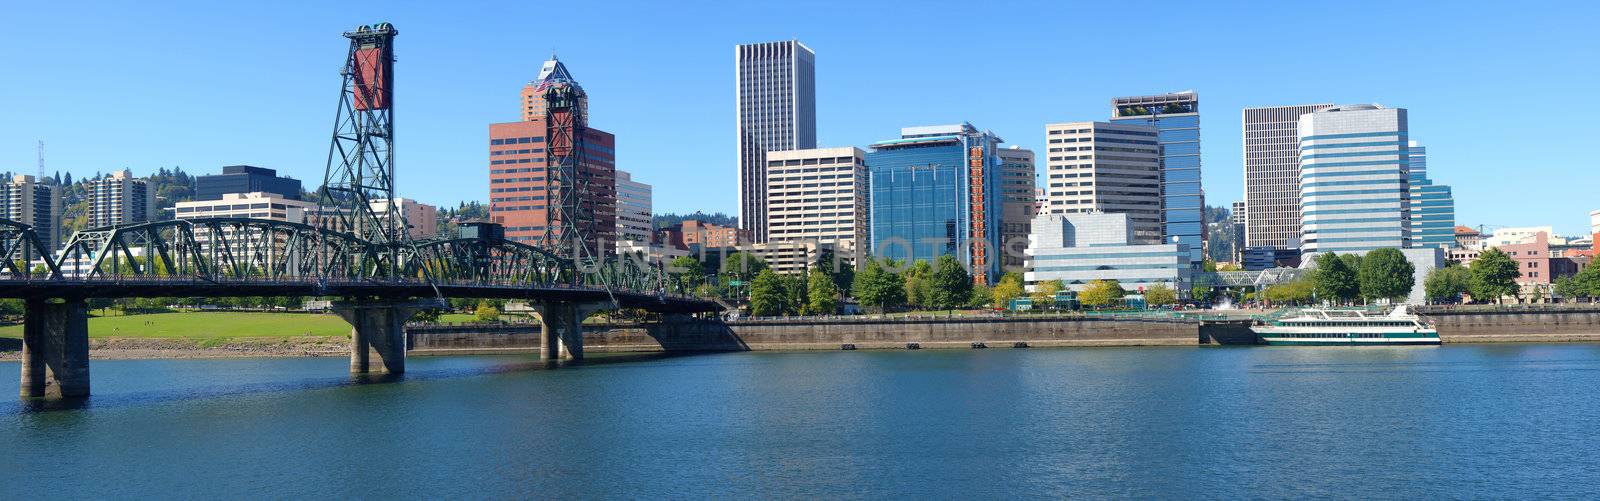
x: 1176, y: 118
x: 921, y: 199
x: 1433, y: 207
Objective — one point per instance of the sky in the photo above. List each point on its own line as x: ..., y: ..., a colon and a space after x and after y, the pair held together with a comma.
x: 1499, y: 93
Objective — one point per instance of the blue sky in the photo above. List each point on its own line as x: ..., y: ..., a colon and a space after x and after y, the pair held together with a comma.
x: 1498, y: 92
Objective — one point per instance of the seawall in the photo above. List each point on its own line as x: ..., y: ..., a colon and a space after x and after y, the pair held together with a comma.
x: 1515, y: 324
x: 688, y: 335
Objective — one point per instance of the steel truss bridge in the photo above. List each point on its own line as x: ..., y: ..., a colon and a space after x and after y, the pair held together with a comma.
x: 233, y: 257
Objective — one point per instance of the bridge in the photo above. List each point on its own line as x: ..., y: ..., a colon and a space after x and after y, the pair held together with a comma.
x: 351, y: 249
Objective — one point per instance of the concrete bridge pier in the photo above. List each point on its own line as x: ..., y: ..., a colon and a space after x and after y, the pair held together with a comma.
x: 377, y: 328
x: 55, y: 349
x: 561, y: 329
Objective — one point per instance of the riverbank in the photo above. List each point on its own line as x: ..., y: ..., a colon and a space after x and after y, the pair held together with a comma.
x: 183, y: 348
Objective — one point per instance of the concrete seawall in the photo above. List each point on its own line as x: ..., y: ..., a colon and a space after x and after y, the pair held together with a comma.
x: 688, y: 335
x: 1512, y: 324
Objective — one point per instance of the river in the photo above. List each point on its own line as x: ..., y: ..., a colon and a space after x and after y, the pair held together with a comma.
x: 1475, y: 421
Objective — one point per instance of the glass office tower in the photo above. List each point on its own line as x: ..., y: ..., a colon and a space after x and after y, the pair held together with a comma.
x: 935, y: 192
x: 1433, y: 207
x: 1176, y: 117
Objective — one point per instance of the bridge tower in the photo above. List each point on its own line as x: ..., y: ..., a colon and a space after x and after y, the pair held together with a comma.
x: 361, y: 157
x: 570, y: 230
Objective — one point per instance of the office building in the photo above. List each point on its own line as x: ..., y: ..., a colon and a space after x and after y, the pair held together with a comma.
x: 936, y: 192
x: 1468, y: 238
x: 420, y: 220
x: 119, y: 199
x: 245, y: 179
x: 633, y: 209
x: 1017, y: 205
x: 524, y: 194
x: 1272, y: 175
x: 1238, y: 228
x: 1079, y: 248
x: 1432, y: 207
x: 1176, y: 117
x: 784, y: 257
x: 1106, y: 167
x: 693, y: 232
x: 1354, y: 179
x: 26, y: 200
x: 255, y: 205
x: 776, y: 93
x: 818, y: 195
x: 534, y: 101
x: 1521, y: 235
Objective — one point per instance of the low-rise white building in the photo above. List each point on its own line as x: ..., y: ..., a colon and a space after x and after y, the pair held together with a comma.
x: 1079, y: 248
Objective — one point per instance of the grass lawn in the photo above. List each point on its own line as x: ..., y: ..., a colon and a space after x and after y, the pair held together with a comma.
x: 210, y: 325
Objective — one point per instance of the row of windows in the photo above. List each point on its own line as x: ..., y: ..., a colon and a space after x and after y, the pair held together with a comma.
x: 516, y: 161
x: 515, y: 152
x: 517, y: 140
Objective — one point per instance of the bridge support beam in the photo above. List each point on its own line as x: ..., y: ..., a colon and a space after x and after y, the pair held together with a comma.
x: 55, y: 349
x: 377, y: 328
x: 561, y: 329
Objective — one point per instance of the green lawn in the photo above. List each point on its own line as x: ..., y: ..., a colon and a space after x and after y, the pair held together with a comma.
x: 210, y: 325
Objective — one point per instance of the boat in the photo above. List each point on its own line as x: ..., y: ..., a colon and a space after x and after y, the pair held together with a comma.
x: 1334, y: 327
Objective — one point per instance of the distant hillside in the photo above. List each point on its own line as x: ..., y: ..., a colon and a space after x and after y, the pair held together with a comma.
x: 670, y: 219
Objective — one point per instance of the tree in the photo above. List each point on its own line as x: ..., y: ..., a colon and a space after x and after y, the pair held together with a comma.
x: 1585, y: 284
x: 686, y: 272
x: 1494, y: 276
x: 1297, y: 291
x: 1208, y: 266
x: 1203, y: 288
x: 1160, y: 295
x: 878, y: 287
x: 1385, y: 273
x: 1447, y: 284
x: 1009, y: 288
x: 822, y: 295
x: 487, y: 312
x: 1333, y: 280
x: 767, y: 295
x: 919, y: 286
x: 980, y: 296
x: 1101, y: 293
x: 950, y: 284
x: 794, y: 294
x: 742, y: 266
x: 1044, y: 292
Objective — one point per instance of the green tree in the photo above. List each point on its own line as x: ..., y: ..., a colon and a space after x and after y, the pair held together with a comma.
x: 950, y: 285
x: 1009, y: 288
x: 1044, y: 292
x: 1447, y: 284
x: 1298, y: 291
x: 1203, y: 288
x: 487, y: 312
x: 980, y: 296
x: 742, y: 266
x: 794, y: 294
x: 877, y: 287
x: 919, y: 284
x: 1385, y: 273
x: 767, y: 295
x: 685, y: 273
x: 1494, y: 276
x: 1101, y: 293
x: 822, y: 295
x: 1160, y: 295
x: 1208, y: 266
x: 1333, y: 280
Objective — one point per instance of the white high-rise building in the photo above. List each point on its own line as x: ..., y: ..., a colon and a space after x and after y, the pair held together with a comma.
x: 633, y: 209
x: 26, y: 200
x: 120, y: 199
x: 1105, y: 167
x: 818, y: 195
x: 1354, y: 179
x: 776, y: 92
x: 1272, y: 175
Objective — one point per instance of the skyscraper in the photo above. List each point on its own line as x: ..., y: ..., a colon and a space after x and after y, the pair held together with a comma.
x: 1106, y: 167
x: 936, y: 192
x: 1433, y: 208
x: 525, y: 191
x: 1176, y: 117
x: 26, y: 200
x: 1017, y: 211
x: 245, y: 179
x: 120, y: 199
x: 1272, y: 175
x: 1354, y: 179
x: 777, y: 110
x: 633, y: 209
x: 819, y: 195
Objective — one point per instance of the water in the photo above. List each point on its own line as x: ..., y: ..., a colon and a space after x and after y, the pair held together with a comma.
x: 1491, y: 421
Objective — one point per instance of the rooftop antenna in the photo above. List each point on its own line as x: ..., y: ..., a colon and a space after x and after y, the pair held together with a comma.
x: 41, y: 160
